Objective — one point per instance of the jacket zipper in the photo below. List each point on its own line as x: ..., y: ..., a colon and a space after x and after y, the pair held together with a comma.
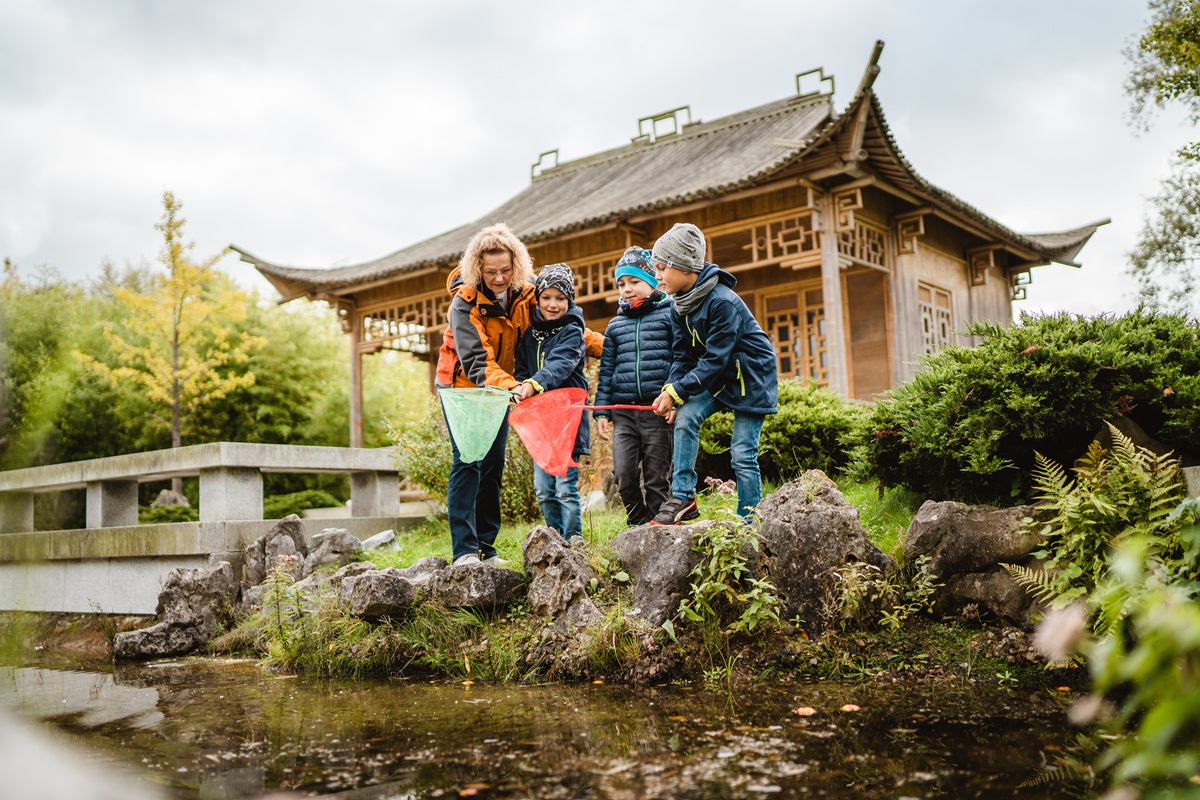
x: 637, y: 370
x: 741, y: 380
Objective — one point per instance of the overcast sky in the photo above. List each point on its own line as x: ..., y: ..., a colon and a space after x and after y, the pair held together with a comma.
x: 323, y: 134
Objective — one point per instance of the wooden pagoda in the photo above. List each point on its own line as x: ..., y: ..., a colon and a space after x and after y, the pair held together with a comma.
x: 853, y: 263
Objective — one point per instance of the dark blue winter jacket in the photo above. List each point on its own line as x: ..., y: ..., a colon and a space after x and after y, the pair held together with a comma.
x: 636, y: 361
x: 555, y: 361
x: 720, y: 348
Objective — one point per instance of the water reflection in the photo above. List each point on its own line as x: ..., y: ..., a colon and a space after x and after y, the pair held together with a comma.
x: 228, y: 729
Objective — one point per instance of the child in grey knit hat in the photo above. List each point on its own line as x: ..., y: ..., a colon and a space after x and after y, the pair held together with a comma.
x: 723, y: 360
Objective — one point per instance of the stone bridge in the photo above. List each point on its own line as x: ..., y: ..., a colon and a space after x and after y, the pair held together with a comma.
x: 116, y: 566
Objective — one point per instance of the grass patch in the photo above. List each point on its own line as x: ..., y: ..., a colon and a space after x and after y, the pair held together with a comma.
x: 885, y: 513
x: 432, y: 538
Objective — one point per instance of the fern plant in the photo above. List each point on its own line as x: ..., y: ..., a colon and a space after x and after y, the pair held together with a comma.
x: 1115, y: 494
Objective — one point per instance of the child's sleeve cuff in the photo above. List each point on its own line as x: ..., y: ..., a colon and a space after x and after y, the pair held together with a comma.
x: 537, y: 387
x: 670, y: 389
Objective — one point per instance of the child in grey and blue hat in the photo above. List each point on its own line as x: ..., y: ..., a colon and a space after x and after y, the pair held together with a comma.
x: 723, y: 360
x: 633, y: 369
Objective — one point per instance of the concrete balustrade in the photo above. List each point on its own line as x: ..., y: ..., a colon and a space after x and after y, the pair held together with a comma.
x: 117, y: 566
x: 230, y: 481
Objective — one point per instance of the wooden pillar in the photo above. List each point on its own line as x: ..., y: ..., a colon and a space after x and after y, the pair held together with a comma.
x: 831, y: 286
x: 356, y: 380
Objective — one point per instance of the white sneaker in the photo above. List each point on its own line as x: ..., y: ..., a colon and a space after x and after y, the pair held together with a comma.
x: 467, y: 560
x: 495, y: 561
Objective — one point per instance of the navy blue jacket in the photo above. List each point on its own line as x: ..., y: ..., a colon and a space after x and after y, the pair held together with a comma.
x: 720, y: 348
x: 636, y: 361
x: 557, y: 362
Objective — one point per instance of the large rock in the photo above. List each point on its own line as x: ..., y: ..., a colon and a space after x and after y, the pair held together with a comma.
x: 659, y: 560
x: 967, y: 546
x: 558, y: 579
x: 334, y: 547
x: 193, y: 605
x: 961, y: 538
x: 477, y: 586
x: 419, y: 575
x: 286, y: 538
x: 379, y: 594
x: 808, y: 531
x: 994, y: 591
x: 319, y: 582
x: 381, y: 540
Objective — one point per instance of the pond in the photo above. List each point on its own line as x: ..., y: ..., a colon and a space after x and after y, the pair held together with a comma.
x: 207, y: 728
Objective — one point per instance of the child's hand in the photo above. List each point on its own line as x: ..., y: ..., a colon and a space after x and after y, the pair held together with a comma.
x: 670, y: 417
x: 524, y: 392
x: 603, y: 427
x: 664, y: 404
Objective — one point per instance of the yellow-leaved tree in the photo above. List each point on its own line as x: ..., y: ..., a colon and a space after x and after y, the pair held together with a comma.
x: 181, y: 340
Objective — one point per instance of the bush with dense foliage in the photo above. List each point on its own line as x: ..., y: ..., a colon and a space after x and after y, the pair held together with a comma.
x: 423, y: 456
x: 154, y: 515
x: 967, y: 426
x: 814, y: 429
x: 280, y: 505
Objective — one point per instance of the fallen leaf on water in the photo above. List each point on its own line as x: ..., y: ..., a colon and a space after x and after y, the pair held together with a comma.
x: 806, y: 711
x: 677, y: 719
x: 597, y: 682
x: 918, y: 716
x: 1063, y: 689
x: 850, y: 707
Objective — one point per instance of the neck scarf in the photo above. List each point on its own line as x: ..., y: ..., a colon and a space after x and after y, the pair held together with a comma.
x: 689, y: 301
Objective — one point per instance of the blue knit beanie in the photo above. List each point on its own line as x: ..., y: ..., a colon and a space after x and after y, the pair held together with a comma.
x: 637, y: 263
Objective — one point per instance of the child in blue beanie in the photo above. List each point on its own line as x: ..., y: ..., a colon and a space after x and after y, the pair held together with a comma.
x: 634, y: 367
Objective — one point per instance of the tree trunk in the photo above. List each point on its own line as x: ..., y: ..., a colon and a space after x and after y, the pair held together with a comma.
x: 176, y: 436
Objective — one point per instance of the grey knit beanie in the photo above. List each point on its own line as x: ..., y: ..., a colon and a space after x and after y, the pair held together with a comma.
x: 682, y: 247
x: 557, y: 276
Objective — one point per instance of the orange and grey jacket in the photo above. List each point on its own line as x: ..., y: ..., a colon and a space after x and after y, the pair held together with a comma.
x: 480, y: 344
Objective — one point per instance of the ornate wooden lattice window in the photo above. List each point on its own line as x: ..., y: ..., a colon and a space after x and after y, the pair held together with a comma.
x: 402, y: 325
x: 594, y: 277
x: 937, y: 317
x: 783, y: 238
x: 865, y: 243
x: 795, y: 321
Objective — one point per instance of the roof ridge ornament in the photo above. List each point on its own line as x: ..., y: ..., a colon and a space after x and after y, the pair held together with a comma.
x: 821, y: 80
x: 649, y: 129
x: 546, y: 162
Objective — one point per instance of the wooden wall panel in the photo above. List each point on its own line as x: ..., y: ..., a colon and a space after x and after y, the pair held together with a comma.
x: 870, y: 354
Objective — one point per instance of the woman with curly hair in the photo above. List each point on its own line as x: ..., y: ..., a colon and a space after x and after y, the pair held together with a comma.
x: 492, y: 297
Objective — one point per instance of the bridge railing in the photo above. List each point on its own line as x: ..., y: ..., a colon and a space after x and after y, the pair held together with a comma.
x: 231, y: 483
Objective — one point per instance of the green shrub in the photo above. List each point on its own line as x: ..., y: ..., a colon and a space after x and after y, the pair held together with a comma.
x: 423, y: 455
x: 967, y: 426
x: 148, y: 515
x: 814, y: 429
x: 280, y: 505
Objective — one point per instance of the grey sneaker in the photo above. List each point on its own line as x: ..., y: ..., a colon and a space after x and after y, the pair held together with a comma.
x: 676, y: 511
x: 495, y: 561
x: 467, y: 560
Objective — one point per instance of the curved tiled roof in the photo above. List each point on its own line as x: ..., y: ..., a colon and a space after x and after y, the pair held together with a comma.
x: 703, y: 160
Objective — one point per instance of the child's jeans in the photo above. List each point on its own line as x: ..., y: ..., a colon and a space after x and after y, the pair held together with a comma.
x: 641, y: 450
x: 743, y: 451
x: 559, y: 499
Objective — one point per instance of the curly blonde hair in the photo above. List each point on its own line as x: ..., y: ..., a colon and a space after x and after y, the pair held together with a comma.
x: 497, y: 238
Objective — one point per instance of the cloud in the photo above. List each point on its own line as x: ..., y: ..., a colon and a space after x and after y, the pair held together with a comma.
x: 318, y: 135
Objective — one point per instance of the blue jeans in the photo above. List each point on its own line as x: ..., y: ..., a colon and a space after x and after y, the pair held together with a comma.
x: 743, y: 451
x: 473, y: 498
x: 559, y: 499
